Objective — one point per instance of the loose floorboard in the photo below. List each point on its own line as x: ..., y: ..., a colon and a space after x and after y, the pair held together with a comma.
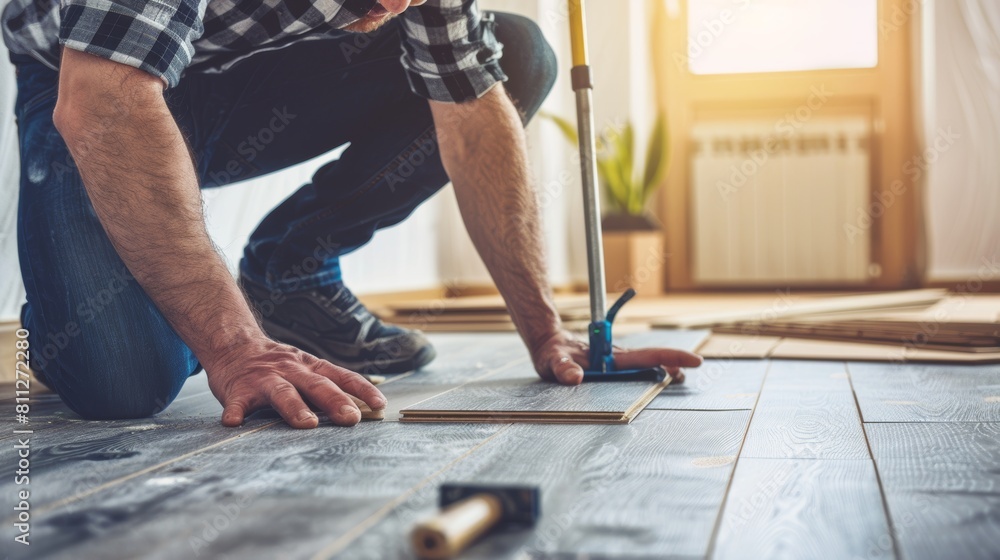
x: 803, y: 508
x: 482, y: 356
x: 516, y: 394
x: 806, y: 411
x: 942, y: 485
x: 927, y: 392
x: 649, y: 489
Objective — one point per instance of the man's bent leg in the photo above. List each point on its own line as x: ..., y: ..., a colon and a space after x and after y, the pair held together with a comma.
x: 391, y: 167
x: 95, y: 336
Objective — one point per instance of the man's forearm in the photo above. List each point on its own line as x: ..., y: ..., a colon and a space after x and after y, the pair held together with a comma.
x: 141, y: 181
x: 483, y: 149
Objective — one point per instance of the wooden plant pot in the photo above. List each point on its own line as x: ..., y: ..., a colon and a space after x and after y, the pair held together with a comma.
x: 635, y: 259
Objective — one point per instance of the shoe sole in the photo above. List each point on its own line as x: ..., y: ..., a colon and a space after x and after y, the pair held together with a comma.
x: 423, y: 356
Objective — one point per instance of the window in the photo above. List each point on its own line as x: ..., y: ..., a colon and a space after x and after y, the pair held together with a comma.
x: 741, y: 36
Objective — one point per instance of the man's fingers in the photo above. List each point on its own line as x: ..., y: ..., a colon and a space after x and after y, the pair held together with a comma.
x: 286, y: 400
x: 649, y: 357
x: 233, y: 414
x: 328, y: 397
x: 566, y: 370
x: 350, y: 382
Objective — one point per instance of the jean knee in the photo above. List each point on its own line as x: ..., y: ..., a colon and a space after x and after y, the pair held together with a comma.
x: 528, y: 60
x: 109, y: 371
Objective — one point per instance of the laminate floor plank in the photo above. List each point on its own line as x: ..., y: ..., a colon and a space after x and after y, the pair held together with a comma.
x: 803, y: 508
x: 806, y: 411
x: 716, y: 385
x: 518, y: 390
x: 927, y: 392
x: 283, y: 493
x: 650, y: 489
x: 942, y: 485
x: 480, y: 355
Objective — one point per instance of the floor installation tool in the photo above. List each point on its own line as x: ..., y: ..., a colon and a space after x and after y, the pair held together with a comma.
x: 602, y: 361
x: 471, y: 511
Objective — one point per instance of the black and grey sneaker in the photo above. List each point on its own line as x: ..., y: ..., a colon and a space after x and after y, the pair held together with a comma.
x: 330, y: 323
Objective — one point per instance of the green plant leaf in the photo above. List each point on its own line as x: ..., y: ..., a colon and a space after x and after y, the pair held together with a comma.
x: 657, y: 159
x: 609, y: 171
x: 623, y: 152
x: 567, y: 128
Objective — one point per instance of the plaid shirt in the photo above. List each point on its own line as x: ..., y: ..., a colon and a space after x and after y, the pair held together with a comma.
x: 449, y: 50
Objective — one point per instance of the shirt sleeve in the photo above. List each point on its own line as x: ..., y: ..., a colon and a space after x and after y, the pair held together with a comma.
x: 450, y: 52
x: 152, y: 35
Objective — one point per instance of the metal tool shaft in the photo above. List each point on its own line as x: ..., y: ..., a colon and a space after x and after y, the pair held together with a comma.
x: 591, y: 202
x: 583, y: 87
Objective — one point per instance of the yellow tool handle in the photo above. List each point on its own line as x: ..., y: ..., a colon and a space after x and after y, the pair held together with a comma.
x: 578, y: 33
x: 459, y: 525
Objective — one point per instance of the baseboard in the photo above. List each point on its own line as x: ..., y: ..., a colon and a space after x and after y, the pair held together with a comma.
x: 8, y: 337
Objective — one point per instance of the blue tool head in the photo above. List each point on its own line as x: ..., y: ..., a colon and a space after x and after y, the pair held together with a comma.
x: 655, y: 374
x: 602, y: 358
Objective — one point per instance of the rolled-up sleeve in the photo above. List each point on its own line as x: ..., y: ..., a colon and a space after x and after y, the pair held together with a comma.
x: 152, y: 35
x: 450, y: 52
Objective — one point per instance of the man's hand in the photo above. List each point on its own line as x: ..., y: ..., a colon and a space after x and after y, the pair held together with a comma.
x: 563, y: 358
x: 270, y: 373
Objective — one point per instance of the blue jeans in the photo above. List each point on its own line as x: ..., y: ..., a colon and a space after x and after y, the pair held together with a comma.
x: 96, y: 337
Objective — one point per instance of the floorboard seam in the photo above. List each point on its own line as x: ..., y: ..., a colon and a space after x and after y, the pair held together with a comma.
x: 355, y: 532
x: 878, y: 476
x: 77, y: 497
x: 933, y: 422
x: 732, y: 473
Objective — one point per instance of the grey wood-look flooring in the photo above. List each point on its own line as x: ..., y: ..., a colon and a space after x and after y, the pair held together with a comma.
x: 747, y: 459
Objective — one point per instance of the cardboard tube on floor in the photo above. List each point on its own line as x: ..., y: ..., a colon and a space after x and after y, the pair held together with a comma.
x: 447, y: 534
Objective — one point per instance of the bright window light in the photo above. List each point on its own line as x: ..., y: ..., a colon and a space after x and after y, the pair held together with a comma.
x: 740, y: 36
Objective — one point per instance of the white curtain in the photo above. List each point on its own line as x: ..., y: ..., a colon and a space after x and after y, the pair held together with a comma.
x: 11, y: 289
x: 961, y: 77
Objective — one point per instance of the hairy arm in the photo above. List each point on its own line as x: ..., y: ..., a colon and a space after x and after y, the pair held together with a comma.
x: 140, y: 178
x: 484, y: 152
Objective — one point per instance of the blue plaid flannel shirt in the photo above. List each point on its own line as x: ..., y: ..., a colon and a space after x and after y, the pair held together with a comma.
x: 449, y: 50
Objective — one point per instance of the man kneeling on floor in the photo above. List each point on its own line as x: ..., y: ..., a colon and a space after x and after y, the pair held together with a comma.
x: 125, y: 109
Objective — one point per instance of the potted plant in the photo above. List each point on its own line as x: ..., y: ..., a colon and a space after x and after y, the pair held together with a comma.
x: 633, y: 241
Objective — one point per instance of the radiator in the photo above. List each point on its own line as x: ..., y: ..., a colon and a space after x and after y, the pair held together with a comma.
x: 781, y: 202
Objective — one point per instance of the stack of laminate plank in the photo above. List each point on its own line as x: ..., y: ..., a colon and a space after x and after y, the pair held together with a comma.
x: 919, y: 325
x: 475, y: 313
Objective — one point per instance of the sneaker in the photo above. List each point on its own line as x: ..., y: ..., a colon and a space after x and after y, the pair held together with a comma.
x: 329, y: 322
